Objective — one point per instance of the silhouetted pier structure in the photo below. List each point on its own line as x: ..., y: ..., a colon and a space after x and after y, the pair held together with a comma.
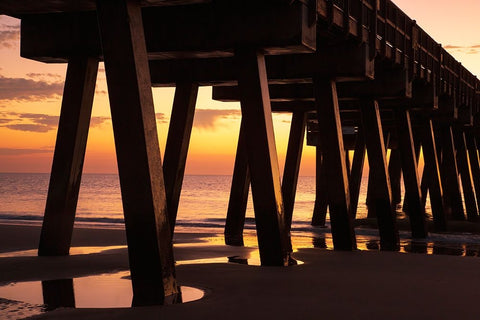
x: 335, y: 65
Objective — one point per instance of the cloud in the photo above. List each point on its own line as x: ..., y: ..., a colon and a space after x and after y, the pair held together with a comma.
x: 474, y: 49
x: 16, y: 152
x: 9, y: 36
x: 207, y: 118
x: 36, y: 122
x: 42, y: 76
x: 161, y: 118
x: 22, y: 89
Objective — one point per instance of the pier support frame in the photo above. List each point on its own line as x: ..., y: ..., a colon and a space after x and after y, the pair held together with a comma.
x: 262, y: 158
x: 58, y: 221
x: 326, y: 101
x: 381, y: 195
x: 138, y: 153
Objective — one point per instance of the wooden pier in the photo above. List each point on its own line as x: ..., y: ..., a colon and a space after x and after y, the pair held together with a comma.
x: 355, y: 74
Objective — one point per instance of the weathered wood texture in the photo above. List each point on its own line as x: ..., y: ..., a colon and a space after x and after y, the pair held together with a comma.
x: 262, y: 158
x: 138, y: 154
x: 57, y: 228
x: 416, y: 210
x: 237, y: 203
x: 332, y: 143
x: 176, y: 149
x: 381, y: 195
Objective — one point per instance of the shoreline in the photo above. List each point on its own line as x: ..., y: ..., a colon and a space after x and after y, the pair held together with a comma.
x: 336, y: 285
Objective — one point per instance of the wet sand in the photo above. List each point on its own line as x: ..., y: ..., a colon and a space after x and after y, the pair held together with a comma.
x: 329, y: 285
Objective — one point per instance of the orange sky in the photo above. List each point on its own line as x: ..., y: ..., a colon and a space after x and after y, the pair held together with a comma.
x: 30, y: 101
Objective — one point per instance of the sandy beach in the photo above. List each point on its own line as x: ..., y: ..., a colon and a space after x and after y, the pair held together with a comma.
x: 329, y: 284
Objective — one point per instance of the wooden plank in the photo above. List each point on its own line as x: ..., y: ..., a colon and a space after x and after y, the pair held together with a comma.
x: 292, y: 165
x: 449, y: 172
x: 237, y: 203
x: 138, y: 153
x: 176, y: 149
x: 466, y: 175
x: 381, y: 196
x: 319, y: 216
x: 262, y: 158
x: 356, y: 174
x: 474, y: 160
x: 57, y: 228
x: 432, y: 171
x: 416, y: 210
x: 332, y: 142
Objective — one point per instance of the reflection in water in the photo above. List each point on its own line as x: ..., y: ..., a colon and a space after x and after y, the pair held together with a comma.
x: 113, y: 290
x: 372, y: 243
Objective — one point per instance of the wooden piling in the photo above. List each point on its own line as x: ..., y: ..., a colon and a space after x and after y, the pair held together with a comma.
x: 466, y: 175
x: 138, y: 153
x: 416, y: 210
x: 395, y: 173
x: 432, y: 173
x: 262, y: 158
x: 176, y: 149
x: 321, y: 187
x: 474, y: 161
x: 57, y: 228
x: 292, y: 165
x: 330, y: 130
x: 237, y: 203
x: 381, y: 195
x: 356, y: 174
x: 449, y: 172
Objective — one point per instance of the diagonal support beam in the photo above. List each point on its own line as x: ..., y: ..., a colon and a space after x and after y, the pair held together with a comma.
x: 321, y: 186
x: 449, y: 172
x: 57, y: 228
x: 328, y: 113
x: 138, y: 153
x: 466, y: 175
x: 381, y: 196
x: 432, y: 174
x: 474, y: 161
x: 416, y: 210
x: 357, y: 171
x: 262, y: 158
x: 178, y: 140
x: 237, y: 203
x: 292, y: 165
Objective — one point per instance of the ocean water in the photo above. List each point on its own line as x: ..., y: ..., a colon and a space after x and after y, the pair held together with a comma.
x: 203, y: 207
x: 203, y: 201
